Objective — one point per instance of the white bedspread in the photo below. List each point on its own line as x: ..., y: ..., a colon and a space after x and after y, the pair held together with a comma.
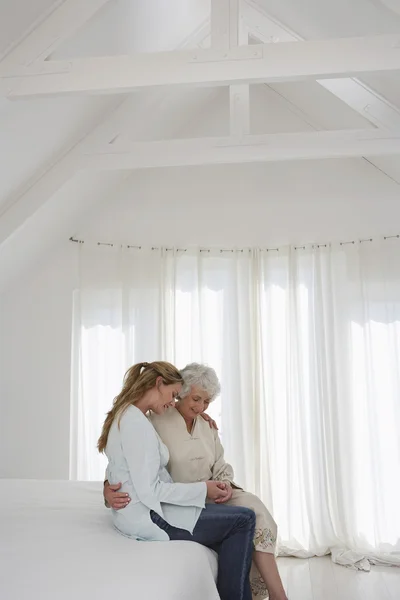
x: 57, y: 543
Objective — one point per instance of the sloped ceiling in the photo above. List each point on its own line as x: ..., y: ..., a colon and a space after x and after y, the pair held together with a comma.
x: 319, y: 19
x: 130, y: 26
x: 17, y: 17
x: 35, y: 133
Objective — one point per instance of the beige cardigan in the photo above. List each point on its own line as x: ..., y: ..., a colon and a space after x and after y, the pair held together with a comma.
x: 195, y: 456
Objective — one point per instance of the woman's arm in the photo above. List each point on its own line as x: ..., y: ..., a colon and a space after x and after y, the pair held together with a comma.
x: 113, y: 498
x: 141, y: 450
x: 221, y: 470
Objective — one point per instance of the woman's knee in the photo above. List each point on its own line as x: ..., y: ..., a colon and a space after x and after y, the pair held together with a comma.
x: 262, y: 513
x: 246, y: 515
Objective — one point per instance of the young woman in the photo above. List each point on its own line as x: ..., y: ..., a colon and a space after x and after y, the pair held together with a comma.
x: 159, y: 508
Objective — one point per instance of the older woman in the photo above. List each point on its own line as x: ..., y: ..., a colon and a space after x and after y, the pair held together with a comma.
x: 196, y: 454
x: 162, y: 509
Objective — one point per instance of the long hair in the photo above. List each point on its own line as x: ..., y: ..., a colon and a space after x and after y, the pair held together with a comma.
x: 137, y: 381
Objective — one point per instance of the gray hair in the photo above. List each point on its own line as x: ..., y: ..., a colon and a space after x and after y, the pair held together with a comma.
x: 201, y: 375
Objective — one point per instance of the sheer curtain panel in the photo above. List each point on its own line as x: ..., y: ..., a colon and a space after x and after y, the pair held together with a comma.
x: 306, y: 342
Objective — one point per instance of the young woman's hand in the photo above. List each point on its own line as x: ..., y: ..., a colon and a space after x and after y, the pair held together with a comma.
x: 216, y: 490
x: 210, y: 421
x: 113, y: 497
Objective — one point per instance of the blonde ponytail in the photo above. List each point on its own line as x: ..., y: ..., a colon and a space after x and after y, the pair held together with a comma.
x: 137, y: 381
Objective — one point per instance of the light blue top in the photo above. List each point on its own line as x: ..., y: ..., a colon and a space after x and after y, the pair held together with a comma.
x: 137, y: 458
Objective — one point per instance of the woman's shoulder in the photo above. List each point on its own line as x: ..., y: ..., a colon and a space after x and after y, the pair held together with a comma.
x: 133, y: 415
x: 133, y: 412
x: 167, y: 417
x: 205, y: 429
x: 134, y: 422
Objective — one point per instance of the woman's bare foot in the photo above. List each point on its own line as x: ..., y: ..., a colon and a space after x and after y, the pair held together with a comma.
x: 268, y: 569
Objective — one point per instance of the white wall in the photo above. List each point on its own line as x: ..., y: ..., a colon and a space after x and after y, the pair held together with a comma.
x: 35, y: 326
x: 251, y: 205
x: 263, y: 204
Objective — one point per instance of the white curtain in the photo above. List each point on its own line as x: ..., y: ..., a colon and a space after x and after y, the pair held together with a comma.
x: 306, y: 342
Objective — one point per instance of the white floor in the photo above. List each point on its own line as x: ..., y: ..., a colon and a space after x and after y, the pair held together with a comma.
x: 321, y: 579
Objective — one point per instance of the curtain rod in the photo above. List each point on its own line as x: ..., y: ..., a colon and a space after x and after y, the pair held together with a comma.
x: 303, y: 247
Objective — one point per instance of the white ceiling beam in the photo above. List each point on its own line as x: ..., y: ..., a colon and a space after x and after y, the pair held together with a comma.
x: 228, y: 31
x: 354, y: 93
x: 244, y: 64
x: 239, y: 94
x: 227, y: 24
x: 252, y: 148
x: 58, y: 26
x: 220, y: 25
x: 367, y: 102
x: 264, y: 27
x: 198, y: 37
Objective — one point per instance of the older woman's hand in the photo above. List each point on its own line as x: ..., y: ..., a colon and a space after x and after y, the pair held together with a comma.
x: 210, y: 421
x: 216, y: 490
x: 228, y: 496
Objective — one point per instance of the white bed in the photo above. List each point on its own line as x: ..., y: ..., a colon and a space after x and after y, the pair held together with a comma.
x: 57, y: 543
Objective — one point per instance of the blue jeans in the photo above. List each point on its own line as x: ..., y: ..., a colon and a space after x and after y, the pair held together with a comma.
x: 229, y: 530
